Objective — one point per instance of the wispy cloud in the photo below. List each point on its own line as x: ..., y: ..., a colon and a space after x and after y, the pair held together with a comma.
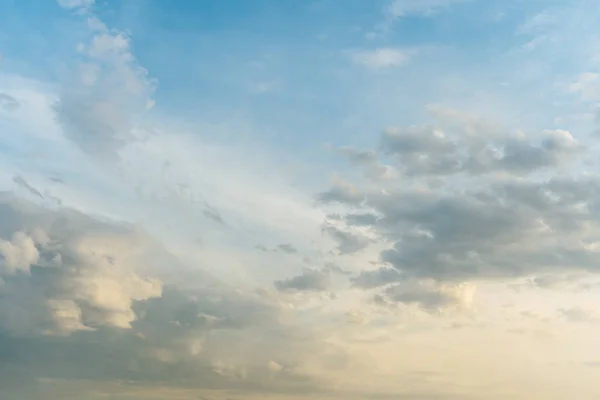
x: 381, y: 58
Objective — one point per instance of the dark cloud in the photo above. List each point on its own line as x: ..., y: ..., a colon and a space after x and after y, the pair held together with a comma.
x: 310, y: 280
x: 8, y: 103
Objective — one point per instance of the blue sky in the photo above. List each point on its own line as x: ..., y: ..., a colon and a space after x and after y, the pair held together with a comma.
x: 284, y: 67
x: 281, y: 199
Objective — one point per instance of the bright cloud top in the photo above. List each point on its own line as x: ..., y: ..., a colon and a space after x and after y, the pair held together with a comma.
x: 394, y: 200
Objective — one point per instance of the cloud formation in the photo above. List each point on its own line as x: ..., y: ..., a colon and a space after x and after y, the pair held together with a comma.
x: 84, y: 288
x: 310, y: 280
x: 105, y: 94
x: 63, y: 272
x: 380, y: 58
x: 8, y: 103
x: 495, y: 214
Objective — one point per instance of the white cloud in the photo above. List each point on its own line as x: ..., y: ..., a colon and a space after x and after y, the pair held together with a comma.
x: 587, y: 86
x: 76, y: 4
x: 381, y: 58
x: 98, y: 106
x: 18, y: 254
x: 78, y: 274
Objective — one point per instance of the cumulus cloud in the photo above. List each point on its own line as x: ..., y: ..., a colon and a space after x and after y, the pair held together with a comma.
x: 348, y: 242
x: 427, y: 150
x: 87, y: 289
x: 310, y: 280
x: 496, y: 215
x: 432, y: 296
x: 341, y: 192
x: 369, y: 162
x: 63, y: 272
x: 18, y: 254
x: 379, y: 277
x: 98, y: 105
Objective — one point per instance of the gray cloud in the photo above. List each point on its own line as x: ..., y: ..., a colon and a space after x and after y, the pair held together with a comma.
x: 578, y: 314
x: 334, y: 268
x: 348, y: 242
x: 426, y: 150
x: 19, y: 180
x: 213, y: 213
x: 430, y: 295
x: 287, y: 248
x: 8, y: 103
x: 378, y: 277
x: 473, y: 225
x: 369, y: 162
x: 75, y: 289
x: 341, y: 192
x: 64, y: 272
x: 310, y: 280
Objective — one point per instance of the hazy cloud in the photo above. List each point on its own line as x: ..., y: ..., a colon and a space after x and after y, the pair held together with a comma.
x: 97, y: 107
x: 341, y: 192
x: 310, y: 280
x: 380, y: 58
x: 287, y: 248
x: 8, y: 103
x: 348, y: 242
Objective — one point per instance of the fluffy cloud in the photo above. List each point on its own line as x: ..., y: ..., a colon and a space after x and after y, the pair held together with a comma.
x: 496, y: 215
x: 341, y: 192
x: 426, y: 150
x: 63, y: 272
x: 98, y: 106
x: 348, y: 242
x: 83, y: 288
x: 431, y: 295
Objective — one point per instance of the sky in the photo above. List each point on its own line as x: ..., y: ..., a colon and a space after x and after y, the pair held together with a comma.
x: 267, y: 199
